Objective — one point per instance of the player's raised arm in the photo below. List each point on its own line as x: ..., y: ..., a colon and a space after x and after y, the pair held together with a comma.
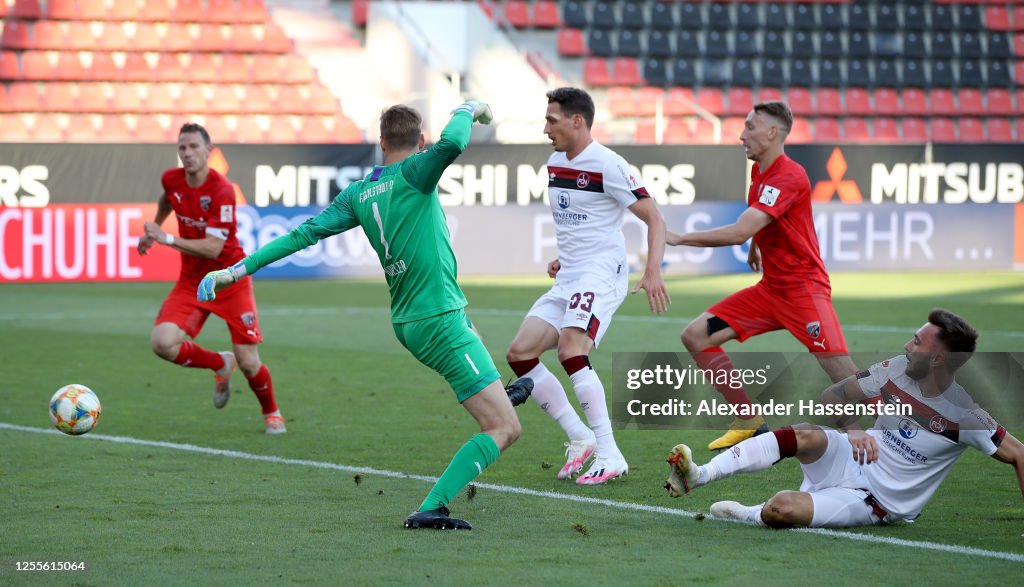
x: 424, y: 170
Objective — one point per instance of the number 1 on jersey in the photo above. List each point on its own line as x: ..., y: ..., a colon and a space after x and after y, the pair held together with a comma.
x: 380, y: 225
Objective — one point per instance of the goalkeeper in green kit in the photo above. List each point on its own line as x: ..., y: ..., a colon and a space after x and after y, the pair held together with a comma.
x: 398, y: 208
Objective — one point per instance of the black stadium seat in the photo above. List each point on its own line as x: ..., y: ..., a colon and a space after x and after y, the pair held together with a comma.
x: 858, y: 17
x: 998, y: 46
x: 719, y: 16
x: 971, y: 75
x: 574, y: 14
x: 915, y: 17
x: 775, y: 16
x: 743, y: 73
x: 690, y: 16
x: 663, y: 16
x: 831, y: 45
x: 683, y: 73
x: 914, y: 45
x: 832, y: 16
x: 716, y: 44
x: 802, y: 45
x: 942, y: 75
x: 914, y: 75
x: 969, y: 17
x: 603, y: 15
x: 803, y: 16
x: 773, y: 74
x: 774, y: 44
x: 942, y: 17
x: 659, y: 43
x: 633, y: 15
x: 829, y: 74
x: 599, y: 42
x: 629, y: 44
x: 887, y: 17
x: 800, y: 74
x: 687, y: 44
x: 655, y: 71
x: 747, y: 16
x: 860, y: 45
x: 858, y: 73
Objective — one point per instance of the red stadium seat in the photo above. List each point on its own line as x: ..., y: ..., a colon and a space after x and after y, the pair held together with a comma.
x: 257, y: 100
x: 25, y: 10
x: 103, y: 67
x: 111, y: 37
x: 830, y: 102
x: 92, y: 10
x: 704, y: 133
x: 60, y: 97
x: 886, y: 130
x: 732, y: 127
x: 711, y: 99
x: 943, y: 130
x: 47, y: 128
x: 176, y: 38
x: 160, y: 99
x: 856, y: 130
x: 545, y: 14
x: 1000, y: 101
x: 942, y: 102
x: 595, y: 72
x: 1018, y: 45
x: 290, y: 99
x: 800, y: 101
x: 232, y: 68
x: 79, y: 37
x: 281, y: 130
x: 274, y: 39
x: 127, y: 98
x: 160, y: 10
x: 125, y: 11
x: 70, y: 67
x: 212, y: 38
x: 297, y: 70
x: 677, y: 132
x: 224, y: 100
x: 150, y: 129
x: 740, y: 101
x: 14, y: 128
x: 204, y: 67
x: 252, y: 11
x: 9, y: 68
x: 243, y: 39
x: 82, y: 129
x: 315, y: 130
x: 621, y: 101
x: 971, y: 101
x: 360, y: 12
x: 322, y: 101
x: 915, y: 130
x: 645, y: 132
x: 769, y: 95
x: 997, y: 18
x: 92, y: 97
x: 972, y: 130
x: 915, y: 101
x: 36, y: 65
x: 1000, y: 130
x: 24, y: 97
x: 647, y: 98
x: 221, y: 11
x: 61, y: 10
x: 16, y: 35
x: 887, y: 101
x: 678, y: 102
x: 49, y: 34
x: 571, y: 44
x: 114, y: 128
x: 517, y: 12
x: 626, y: 71
x: 169, y: 68
x: 220, y: 131
x: 147, y: 37
x: 826, y: 130
x: 800, y: 133
x: 858, y: 102
x: 250, y: 130
x: 137, y: 69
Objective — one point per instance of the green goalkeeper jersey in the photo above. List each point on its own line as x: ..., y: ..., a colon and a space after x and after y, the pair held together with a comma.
x: 398, y: 208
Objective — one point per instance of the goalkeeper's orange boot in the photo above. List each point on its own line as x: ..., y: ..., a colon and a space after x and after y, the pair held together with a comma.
x: 222, y: 380
x: 274, y: 423
x: 739, y: 431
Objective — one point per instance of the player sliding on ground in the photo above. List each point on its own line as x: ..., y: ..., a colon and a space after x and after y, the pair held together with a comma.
x: 880, y: 476
x: 397, y: 207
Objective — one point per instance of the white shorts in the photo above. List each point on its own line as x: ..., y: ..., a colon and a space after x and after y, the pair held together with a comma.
x: 587, y: 303
x: 838, y: 487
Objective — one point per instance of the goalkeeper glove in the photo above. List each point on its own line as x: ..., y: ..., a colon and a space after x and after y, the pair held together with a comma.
x: 480, y: 111
x: 214, y: 280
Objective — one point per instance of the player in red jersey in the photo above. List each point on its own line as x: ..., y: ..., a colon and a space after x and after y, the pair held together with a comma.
x: 794, y: 293
x: 203, y: 201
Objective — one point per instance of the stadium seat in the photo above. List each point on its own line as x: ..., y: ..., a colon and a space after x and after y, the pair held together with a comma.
x: 252, y: 11
x: 223, y: 100
x: 281, y: 130
x: 69, y: 67
x: 275, y: 40
x: 800, y: 133
x: 600, y: 43
x: 656, y: 72
x: 715, y: 72
x: 969, y: 17
x: 691, y: 17
x: 971, y: 101
x: 888, y: 17
x: 59, y: 97
x: 160, y: 99
x: 942, y: 102
x: 621, y: 101
x: 856, y: 129
x: 704, y: 133
x: 92, y: 97
x: 36, y: 65
x: 603, y: 15
x: 24, y: 97
x: 290, y: 99
x: 829, y: 74
x: 942, y: 130
x: 859, y: 44
x: 739, y: 101
x: 150, y: 129
x: 914, y: 45
x: 92, y: 10
x: 858, y: 102
x: 774, y: 44
x: 221, y: 11
x: 732, y: 127
x: 719, y: 17
x: 997, y: 45
x: 687, y: 43
x: 243, y: 39
x: 60, y: 9
x: 257, y: 99
x: 942, y: 18
x: 322, y: 101
x: 942, y: 74
x: 998, y: 74
x: 574, y: 14
x: 743, y: 73
x: 915, y: 101
x: 14, y: 128
x: 800, y: 101
x: 647, y: 99
x: 517, y: 13
x: 645, y: 132
x: 802, y: 45
x: 885, y: 130
x: 1000, y: 130
x: 595, y: 72
x: 16, y: 35
x: 211, y: 37
x: 231, y: 68
x: 915, y: 130
x: 831, y: 43
x: 765, y: 94
x: 997, y: 18
x: 677, y: 132
x: 829, y: 102
x: 832, y: 17
x: 9, y: 68
x: 632, y: 16
x: 103, y: 67
x: 626, y: 71
x: 315, y: 130
x: 711, y: 99
x: 127, y: 97
x: 826, y: 130
x: 678, y: 102
x: 858, y: 17
x: 47, y: 128
x: 887, y: 101
x: 629, y: 44
x: 971, y: 74
x: 800, y: 73
x: 746, y: 44
x: 114, y: 128
x: 570, y: 43
x: 663, y: 16
x: 915, y: 17
x: 25, y: 10
x: 914, y: 75
x: 169, y: 68
x: 110, y: 36
x: 858, y: 73
x: 747, y: 16
x: 716, y: 44
x: 885, y: 75
x: 297, y: 70
x: 545, y: 14
x: 971, y: 130
x: 1000, y: 102
x: 659, y: 44
x: 250, y: 131
x: 942, y: 45
x: 49, y: 34
x: 220, y: 131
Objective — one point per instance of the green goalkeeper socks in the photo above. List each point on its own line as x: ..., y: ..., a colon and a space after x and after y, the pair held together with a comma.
x: 476, y: 455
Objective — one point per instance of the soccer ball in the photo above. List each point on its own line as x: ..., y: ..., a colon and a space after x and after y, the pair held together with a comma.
x: 74, y: 409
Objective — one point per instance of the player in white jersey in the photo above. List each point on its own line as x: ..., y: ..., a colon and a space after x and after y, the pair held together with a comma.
x: 880, y: 476
x: 589, y: 188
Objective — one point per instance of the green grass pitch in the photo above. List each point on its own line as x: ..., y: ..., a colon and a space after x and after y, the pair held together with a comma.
x: 368, y: 426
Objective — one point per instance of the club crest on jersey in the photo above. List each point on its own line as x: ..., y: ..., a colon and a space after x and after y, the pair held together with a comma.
x: 908, y: 429
x: 768, y: 195
x: 563, y: 200
x: 937, y: 424
x: 204, y: 203
x: 227, y: 213
x: 249, y: 319
x: 814, y: 329
x: 582, y: 180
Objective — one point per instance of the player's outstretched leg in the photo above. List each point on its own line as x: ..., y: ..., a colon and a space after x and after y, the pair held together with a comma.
x: 737, y: 512
x: 222, y: 380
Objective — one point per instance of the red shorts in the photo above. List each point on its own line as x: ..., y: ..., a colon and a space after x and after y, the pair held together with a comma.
x: 235, y: 304
x: 808, y: 315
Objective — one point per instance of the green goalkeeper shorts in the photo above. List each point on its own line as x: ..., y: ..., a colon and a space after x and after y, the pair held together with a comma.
x: 447, y: 344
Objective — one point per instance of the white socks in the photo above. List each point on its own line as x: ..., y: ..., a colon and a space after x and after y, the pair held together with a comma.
x: 753, y: 454
x: 590, y: 392
x: 550, y: 395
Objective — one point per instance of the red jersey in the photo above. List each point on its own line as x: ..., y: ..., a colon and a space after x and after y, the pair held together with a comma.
x: 208, y: 210
x: 789, y: 245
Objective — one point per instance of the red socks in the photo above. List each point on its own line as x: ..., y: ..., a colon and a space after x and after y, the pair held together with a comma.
x: 263, y: 387
x: 716, y: 359
x: 195, y: 356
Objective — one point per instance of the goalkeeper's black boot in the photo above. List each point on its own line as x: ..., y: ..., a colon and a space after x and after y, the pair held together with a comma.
x: 519, y: 390
x: 437, y: 519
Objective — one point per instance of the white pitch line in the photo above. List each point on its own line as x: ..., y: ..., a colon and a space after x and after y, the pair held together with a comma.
x: 516, y: 314
x: 965, y: 550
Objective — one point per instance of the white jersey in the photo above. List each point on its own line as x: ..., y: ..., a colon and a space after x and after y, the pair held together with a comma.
x: 915, y: 453
x: 588, y: 197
